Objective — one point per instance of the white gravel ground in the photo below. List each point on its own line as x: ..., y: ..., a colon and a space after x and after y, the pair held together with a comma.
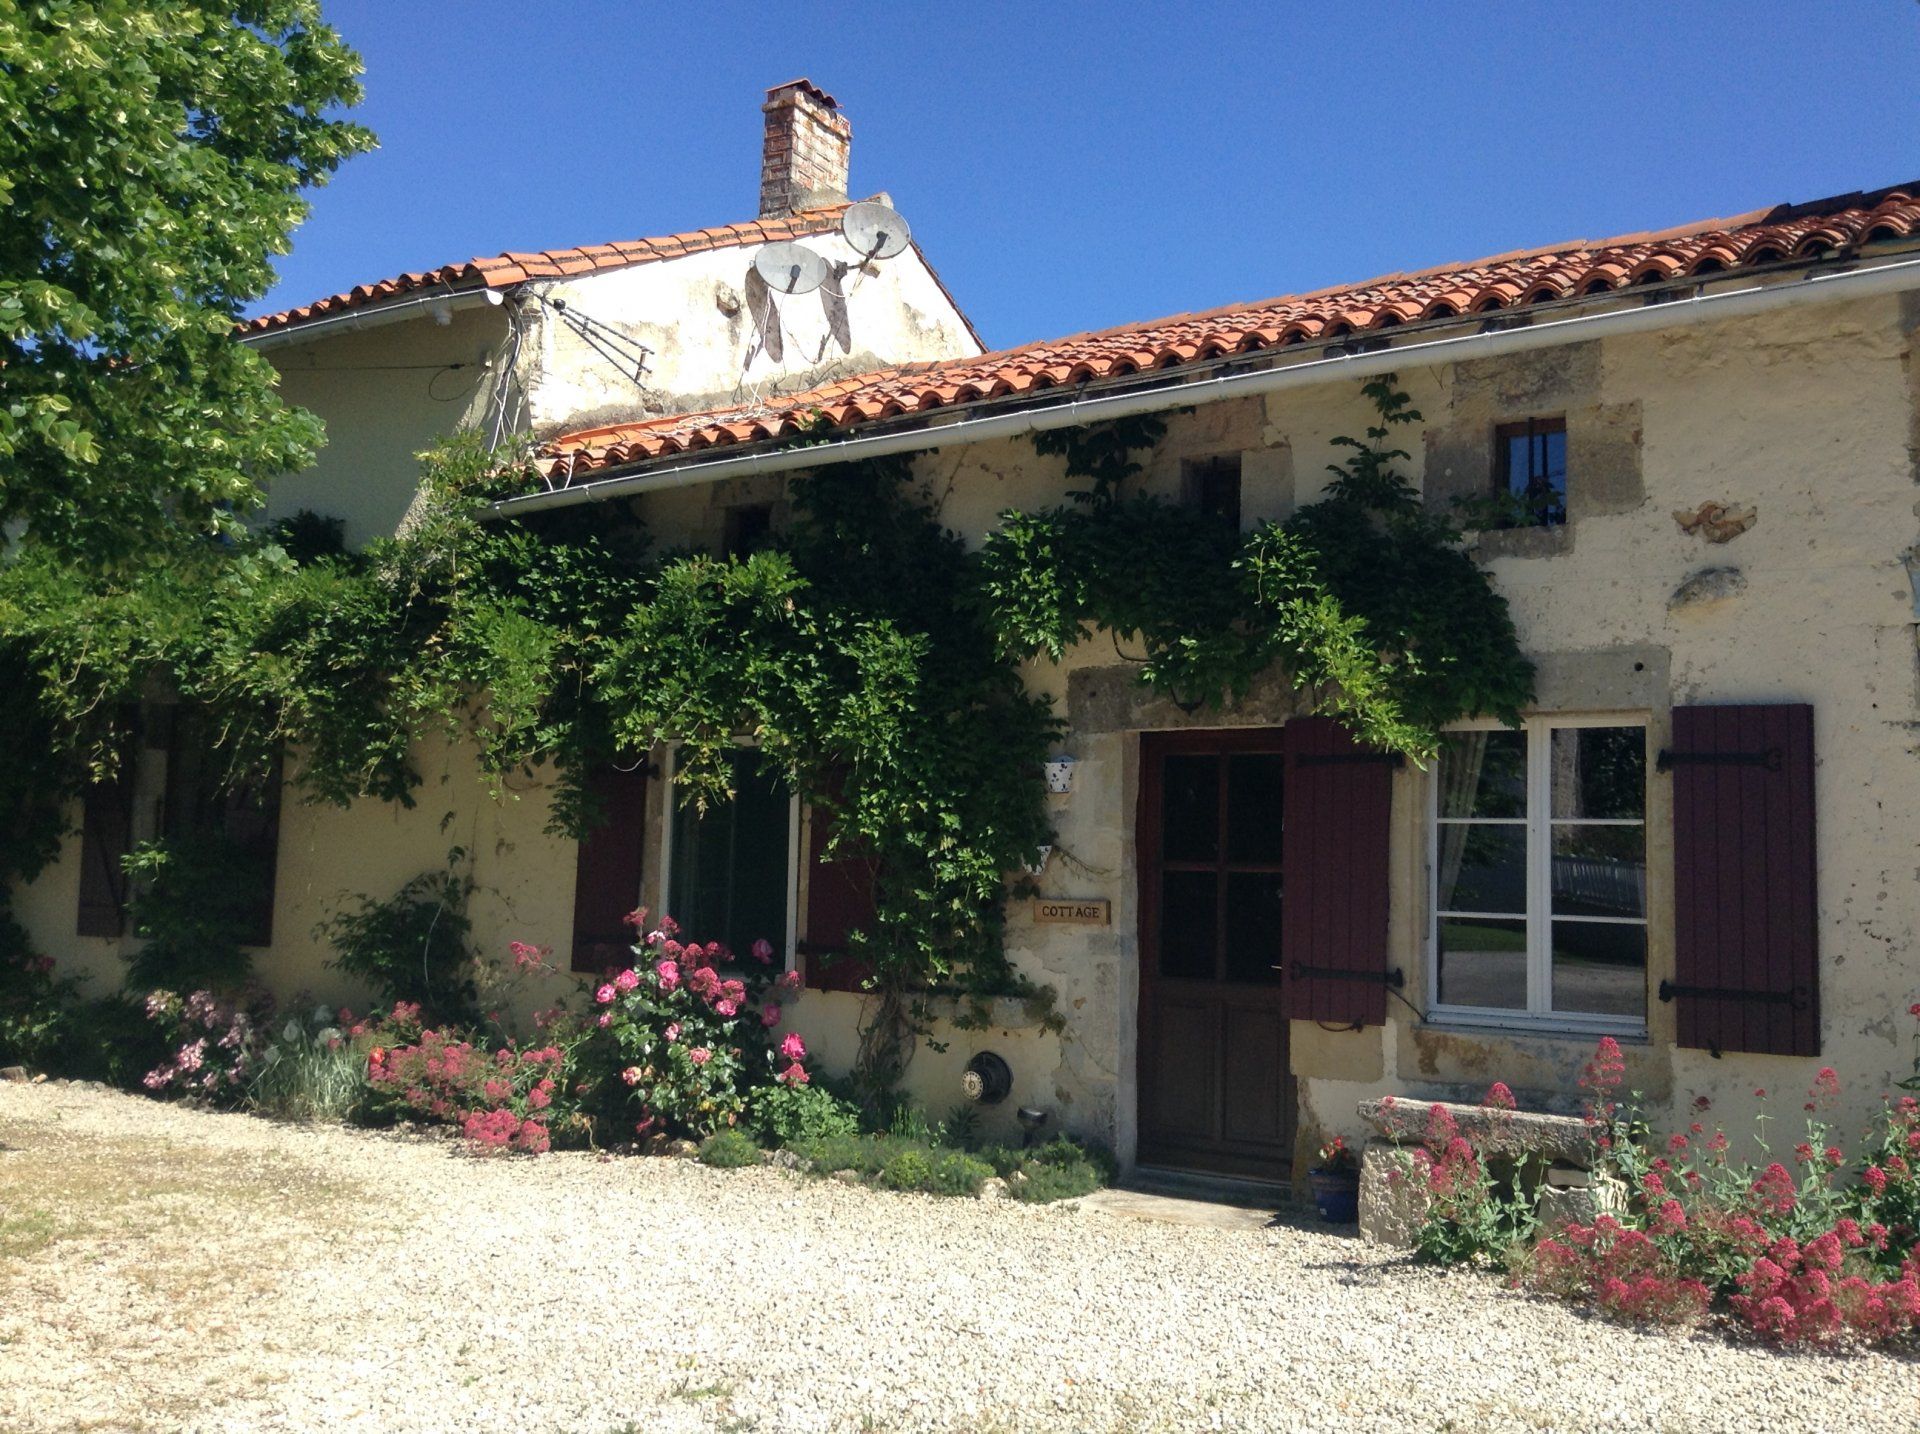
x: 169, y: 1269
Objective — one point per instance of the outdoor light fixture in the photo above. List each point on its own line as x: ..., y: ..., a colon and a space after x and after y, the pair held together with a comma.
x: 1031, y: 1118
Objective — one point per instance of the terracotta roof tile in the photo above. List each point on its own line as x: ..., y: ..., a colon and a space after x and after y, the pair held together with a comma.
x: 500, y: 271
x: 1507, y: 280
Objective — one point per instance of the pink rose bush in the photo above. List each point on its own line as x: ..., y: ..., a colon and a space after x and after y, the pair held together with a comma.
x: 691, y: 1027
x: 218, y: 1045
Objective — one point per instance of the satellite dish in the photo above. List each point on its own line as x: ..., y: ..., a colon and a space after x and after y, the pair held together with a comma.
x: 876, y: 230
x: 790, y: 268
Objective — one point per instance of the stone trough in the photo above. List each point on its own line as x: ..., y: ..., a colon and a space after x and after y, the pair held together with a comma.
x: 1393, y: 1200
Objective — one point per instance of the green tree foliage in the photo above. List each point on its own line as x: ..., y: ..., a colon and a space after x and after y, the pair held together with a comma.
x: 152, y: 155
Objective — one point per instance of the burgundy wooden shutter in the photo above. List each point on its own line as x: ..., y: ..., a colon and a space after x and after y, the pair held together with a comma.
x: 1746, y: 947
x: 1335, y: 812
x: 839, y: 903
x: 607, y: 870
x: 106, y: 836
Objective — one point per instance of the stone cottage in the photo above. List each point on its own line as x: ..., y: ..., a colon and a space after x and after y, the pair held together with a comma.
x: 1699, y: 840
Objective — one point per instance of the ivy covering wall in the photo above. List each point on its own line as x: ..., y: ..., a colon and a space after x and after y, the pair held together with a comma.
x: 870, y: 654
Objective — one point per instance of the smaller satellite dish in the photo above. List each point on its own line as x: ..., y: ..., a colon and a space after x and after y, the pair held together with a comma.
x: 876, y: 230
x: 790, y: 268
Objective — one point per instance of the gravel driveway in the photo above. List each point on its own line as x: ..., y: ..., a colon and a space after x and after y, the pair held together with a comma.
x: 168, y: 1269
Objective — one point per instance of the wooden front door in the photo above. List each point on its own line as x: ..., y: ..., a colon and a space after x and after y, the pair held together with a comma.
x: 1215, y: 1090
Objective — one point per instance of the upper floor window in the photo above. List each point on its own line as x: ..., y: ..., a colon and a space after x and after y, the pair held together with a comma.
x: 1531, y: 459
x: 749, y: 529
x: 1213, y: 486
x: 1539, y: 892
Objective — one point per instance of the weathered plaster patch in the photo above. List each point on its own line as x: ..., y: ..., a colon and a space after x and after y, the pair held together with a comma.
x: 1709, y: 585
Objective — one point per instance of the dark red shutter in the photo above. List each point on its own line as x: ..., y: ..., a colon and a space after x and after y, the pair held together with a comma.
x: 839, y: 903
x: 1746, y: 947
x: 1333, y: 924
x: 607, y: 870
x: 106, y: 836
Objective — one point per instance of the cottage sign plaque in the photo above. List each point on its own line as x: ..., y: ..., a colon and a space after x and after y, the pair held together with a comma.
x: 1050, y: 911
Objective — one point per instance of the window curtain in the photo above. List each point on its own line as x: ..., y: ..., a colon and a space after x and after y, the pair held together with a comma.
x: 1460, y: 763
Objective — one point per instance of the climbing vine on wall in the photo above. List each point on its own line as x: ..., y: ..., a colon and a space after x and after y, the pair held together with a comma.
x: 869, y: 654
x: 1363, y: 597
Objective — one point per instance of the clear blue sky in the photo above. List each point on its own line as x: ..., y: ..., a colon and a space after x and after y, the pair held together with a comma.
x: 1069, y: 167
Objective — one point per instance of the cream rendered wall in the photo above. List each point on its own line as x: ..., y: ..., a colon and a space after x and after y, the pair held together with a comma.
x: 1810, y: 415
x: 385, y: 394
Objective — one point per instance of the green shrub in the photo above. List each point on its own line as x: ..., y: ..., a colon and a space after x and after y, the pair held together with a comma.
x: 414, y: 945
x: 911, y: 1169
x: 1046, y: 1183
x: 40, y: 1014
x: 790, y: 1114
x: 957, y: 1173
x: 961, y: 1128
x: 113, y: 1041
x: 729, y: 1150
x: 196, y: 905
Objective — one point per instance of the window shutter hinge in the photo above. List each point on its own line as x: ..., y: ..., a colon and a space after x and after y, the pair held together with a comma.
x: 1798, y: 997
x: 1769, y: 758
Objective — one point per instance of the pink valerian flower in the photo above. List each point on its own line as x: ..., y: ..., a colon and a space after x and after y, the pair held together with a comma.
x: 527, y: 956
x: 604, y: 996
x: 1825, y: 1091
x: 637, y: 918
x: 1669, y: 1218
x: 770, y: 1014
x: 763, y: 951
x: 541, y: 1096
x: 699, y: 1055
x: 795, y: 1074
x: 1499, y: 1097
x: 1874, y: 1178
x: 1774, y: 1189
x: 788, y: 981
x: 668, y: 973
x: 724, y: 1007
x: 626, y: 980
x: 793, y: 1048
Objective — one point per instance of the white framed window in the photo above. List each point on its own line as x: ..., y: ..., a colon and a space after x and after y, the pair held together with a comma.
x: 732, y: 873
x: 1537, y: 874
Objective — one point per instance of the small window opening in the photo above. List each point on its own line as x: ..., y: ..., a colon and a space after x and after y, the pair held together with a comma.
x: 1212, y: 485
x: 749, y: 529
x: 1532, y: 475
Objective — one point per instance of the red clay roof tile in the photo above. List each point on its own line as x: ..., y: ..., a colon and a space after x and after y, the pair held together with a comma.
x: 1581, y: 267
x: 500, y: 271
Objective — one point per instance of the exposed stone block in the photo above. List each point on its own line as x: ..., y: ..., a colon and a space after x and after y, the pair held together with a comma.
x: 1563, y: 1138
x: 1393, y: 1199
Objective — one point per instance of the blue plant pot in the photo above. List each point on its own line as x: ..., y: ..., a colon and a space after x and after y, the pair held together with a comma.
x: 1336, y: 1194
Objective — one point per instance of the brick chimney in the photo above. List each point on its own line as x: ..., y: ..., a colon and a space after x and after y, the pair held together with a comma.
x: 803, y: 162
